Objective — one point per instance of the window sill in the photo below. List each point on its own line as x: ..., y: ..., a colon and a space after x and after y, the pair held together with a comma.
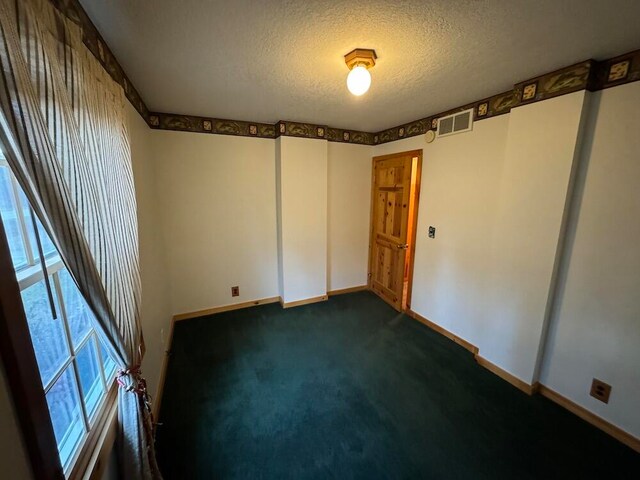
x: 93, y: 457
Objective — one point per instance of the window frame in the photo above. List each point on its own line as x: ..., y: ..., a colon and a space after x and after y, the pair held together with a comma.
x: 22, y: 373
x: 33, y: 263
x: 21, y: 367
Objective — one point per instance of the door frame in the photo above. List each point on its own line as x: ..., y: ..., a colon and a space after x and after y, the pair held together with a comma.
x: 416, y: 199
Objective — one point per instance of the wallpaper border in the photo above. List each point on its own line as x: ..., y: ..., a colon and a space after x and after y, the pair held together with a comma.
x: 589, y: 75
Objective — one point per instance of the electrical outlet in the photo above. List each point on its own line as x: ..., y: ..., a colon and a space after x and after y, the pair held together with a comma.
x: 432, y: 232
x: 235, y: 291
x: 600, y: 390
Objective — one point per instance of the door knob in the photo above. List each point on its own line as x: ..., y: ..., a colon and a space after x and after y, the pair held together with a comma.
x: 403, y: 246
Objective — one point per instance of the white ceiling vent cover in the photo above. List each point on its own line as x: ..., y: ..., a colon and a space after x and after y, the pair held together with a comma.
x: 456, y: 123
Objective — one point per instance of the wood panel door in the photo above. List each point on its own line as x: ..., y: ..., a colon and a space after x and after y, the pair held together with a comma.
x: 391, y: 190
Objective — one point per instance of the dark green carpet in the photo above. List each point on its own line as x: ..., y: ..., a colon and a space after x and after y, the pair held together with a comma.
x: 349, y: 388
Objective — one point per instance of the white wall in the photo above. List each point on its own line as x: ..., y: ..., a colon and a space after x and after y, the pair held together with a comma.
x: 279, y: 217
x: 349, y: 193
x: 218, y: 211
x: 501, y: 198
x: 459, y: 196
x: 302, y: 169
x: 496, y: 196
x: 542, y: 146
x: 155, y: 311
x: 595, y: 329
x: 13, y: 454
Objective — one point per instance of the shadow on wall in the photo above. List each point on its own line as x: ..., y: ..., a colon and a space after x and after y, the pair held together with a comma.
x: 570, y: 228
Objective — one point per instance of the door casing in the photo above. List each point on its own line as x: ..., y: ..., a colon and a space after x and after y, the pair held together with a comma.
x: 401, y: 302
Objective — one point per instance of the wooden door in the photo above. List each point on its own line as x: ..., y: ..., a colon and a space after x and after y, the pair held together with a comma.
x: 391, y: 192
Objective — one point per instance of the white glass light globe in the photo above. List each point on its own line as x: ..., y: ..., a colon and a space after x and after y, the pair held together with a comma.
x: 358, y: 80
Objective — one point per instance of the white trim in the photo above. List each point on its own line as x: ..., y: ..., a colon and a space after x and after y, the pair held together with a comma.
x: 97, y: 462
x: 57, y: 374
x: 73, y: 459
x: 74, y: 355
x: 98, y: 395
x: 17, y: 204
x: 71, y: 358
x: 31, y: 275
x: 96, y: 344
x: 69, y: 453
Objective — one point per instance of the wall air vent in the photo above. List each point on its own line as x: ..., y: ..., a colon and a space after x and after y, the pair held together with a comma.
x: 456, y: 123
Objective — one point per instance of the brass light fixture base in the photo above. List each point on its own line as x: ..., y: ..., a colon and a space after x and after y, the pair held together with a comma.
x: 361, y: 56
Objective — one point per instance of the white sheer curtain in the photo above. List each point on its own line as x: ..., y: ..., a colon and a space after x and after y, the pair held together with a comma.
x: 63, y: 122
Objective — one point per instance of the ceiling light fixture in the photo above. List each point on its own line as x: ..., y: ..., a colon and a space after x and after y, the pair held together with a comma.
x: 359, y: 61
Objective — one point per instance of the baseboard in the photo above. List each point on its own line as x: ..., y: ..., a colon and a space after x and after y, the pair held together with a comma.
x: 612, y: 430
x: 442, y: 331
x: 583, y: 413
x: 185, y: 316
x: 306, y: 301
x: 503, y: 374
x: 224, y: 308
x: 513, y: 380
x: 340, y: 291
x: 599, y: 422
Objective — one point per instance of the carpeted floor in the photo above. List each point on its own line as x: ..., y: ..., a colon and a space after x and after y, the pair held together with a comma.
x: 348, y: 389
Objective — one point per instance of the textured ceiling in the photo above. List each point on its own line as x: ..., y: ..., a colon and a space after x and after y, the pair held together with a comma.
x: 283, y: 60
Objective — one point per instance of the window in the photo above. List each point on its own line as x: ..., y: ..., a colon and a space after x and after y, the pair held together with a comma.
x: 75, y: 370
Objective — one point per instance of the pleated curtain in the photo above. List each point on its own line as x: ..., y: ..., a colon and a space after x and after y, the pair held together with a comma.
x: 64, y: 129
